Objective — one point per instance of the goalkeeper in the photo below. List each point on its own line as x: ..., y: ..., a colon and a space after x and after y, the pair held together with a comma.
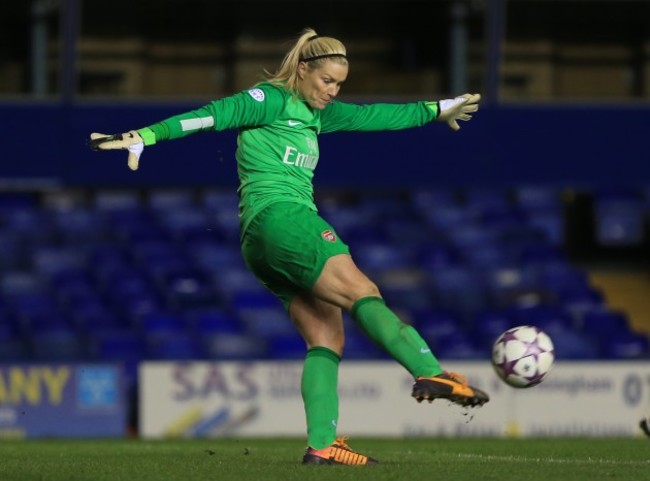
x: 292, y: 250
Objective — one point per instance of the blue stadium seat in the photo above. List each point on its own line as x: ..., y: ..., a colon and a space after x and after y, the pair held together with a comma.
x: 619, y: 217
x: 123, y: 346
x: 435, y: 325
x: 265, y: 322
x: 572, y: 345
x: 14, y: 350
x: 113, y: 200
x: 489, y: 324
x: 170, y: 199
x: 233, y: 347
x: 220, y: 200
x: 426, y: 199
x: 460, y: 346
x: 173, y: 347
x: 287, y: 346
x: 49, y: 260
x: 626, y: 345
x: 436, y: 254
x: 186, y: 223
x: 486, y: 199
x: 13, y: 254
x: 536, y: 197
x: 604, y: 323
x: 580, y: 301
x: 61, y: 345
x: 161, y: 324
x: 79, y: 225
x: 214, y: 321
x: 550, y: 221
x: 93, y: 318
x: 448, y: 216
x: 551, y: 319
x: 459, y: 289
x: 376, y: 257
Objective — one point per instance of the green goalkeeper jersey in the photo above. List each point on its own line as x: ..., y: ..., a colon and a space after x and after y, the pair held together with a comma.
x: 277, y: 145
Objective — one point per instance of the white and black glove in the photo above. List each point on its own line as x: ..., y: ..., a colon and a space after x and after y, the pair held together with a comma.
x: 459, y: 108
x: 131, y: 141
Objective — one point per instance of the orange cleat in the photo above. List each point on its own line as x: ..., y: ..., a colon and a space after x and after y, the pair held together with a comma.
x: 337, y: 453
x: 451, y: 386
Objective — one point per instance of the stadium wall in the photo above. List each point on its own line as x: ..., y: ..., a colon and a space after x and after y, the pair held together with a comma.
x: 566, y: 145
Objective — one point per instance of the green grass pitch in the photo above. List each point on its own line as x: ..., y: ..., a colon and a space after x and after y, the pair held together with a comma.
x: 247, y: 459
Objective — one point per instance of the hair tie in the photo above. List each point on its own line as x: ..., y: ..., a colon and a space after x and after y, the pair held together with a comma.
x: 327, y: 55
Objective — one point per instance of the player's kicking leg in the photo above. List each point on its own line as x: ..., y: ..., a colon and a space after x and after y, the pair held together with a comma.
x: 450, y: 386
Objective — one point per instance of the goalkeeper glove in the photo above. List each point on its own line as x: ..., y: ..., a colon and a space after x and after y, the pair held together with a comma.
x: 131, y: 141
x: 459, y: 108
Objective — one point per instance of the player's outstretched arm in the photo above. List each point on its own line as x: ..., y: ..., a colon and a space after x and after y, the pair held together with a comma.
x: 459, y: 108
x: 131, y: 141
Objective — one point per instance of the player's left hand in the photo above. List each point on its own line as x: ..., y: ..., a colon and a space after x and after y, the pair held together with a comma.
x: 459, y: 108
x: 130, y: 141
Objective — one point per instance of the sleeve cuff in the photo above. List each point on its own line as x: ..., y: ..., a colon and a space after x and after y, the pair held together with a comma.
x: 148, y: 136
x: 434, y: 108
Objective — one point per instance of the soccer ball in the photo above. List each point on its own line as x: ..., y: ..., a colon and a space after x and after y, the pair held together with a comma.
x: 522, y: 356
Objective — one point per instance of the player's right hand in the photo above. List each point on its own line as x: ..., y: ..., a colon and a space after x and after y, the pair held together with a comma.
x: 130, y: 141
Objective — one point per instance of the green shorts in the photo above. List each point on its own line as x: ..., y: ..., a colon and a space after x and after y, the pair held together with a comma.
x: 287, y: 245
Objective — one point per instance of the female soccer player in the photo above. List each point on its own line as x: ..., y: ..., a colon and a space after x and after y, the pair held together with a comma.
x: 292, y: 250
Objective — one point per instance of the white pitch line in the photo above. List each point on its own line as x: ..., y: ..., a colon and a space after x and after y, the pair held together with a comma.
x: 521, y: 459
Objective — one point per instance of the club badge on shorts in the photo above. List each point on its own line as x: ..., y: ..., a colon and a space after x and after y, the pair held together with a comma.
x: 328, y: 235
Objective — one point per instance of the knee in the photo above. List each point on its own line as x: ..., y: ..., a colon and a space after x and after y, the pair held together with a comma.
x: 335, y: 341
x: 366, y: 289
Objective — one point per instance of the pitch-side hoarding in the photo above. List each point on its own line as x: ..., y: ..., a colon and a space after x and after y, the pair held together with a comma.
x: 61, y: 400
x: 206, y: 399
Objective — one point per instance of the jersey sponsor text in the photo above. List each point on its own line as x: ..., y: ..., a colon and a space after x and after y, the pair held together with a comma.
x: 299, y: 159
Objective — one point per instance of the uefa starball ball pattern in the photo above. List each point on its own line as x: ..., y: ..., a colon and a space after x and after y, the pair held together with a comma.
x: 522, y: 356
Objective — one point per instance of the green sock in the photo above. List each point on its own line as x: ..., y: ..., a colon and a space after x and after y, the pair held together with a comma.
x: 320, y: 376
x: 400, y: 340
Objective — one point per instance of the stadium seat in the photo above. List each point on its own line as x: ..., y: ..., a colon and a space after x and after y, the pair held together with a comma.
x: 536, y: 197
x: 220, y: 200
x: 489, y: 324
x: 619, y: 217
x: 603, y: 323
x: 426, y: 199
x: 161, y: 324
x: 63, y: 345
x: 287, y: 346
x: 459, y: 289
x: 436, y: 325
x: 265, y: 322
x: 460, y: 346
x: 485, y: 199
x: 550, y: 221
x: 233, y: 347
x: 172, y: 347
x: 14, y: 350
x: 580, y: 301
x: 170, y: 199
x: 575, y: 346
x: 79, y: 225
x: 213, y: 321
x: 626, y: 345
x: 551, y: 319
x: 116, y: 200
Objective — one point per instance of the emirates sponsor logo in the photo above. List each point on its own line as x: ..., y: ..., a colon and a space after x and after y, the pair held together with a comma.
x: 328, y: 235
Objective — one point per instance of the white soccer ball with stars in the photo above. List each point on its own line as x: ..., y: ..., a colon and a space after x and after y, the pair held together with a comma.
x: 522, y: 356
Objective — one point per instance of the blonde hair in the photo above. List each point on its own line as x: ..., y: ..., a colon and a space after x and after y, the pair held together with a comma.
x: 310, y: 48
